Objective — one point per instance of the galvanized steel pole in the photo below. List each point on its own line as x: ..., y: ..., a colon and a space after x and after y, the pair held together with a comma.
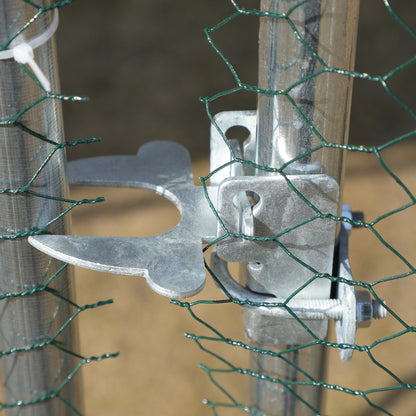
x: 25, y: 321
x: 327, y: 29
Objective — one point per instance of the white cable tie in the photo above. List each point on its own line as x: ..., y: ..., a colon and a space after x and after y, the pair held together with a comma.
x: 23, y: 52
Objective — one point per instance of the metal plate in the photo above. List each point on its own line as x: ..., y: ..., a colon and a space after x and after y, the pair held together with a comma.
x: 281, y: 271
x: 172, y: 262
x: 220, y: 153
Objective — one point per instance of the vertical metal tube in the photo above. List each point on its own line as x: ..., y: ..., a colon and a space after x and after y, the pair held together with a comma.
x: 282, y: 397
x: 33, y: 319
x: 316, y: 108
x: 328, y: 30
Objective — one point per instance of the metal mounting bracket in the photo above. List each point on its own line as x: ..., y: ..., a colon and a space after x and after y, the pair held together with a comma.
x: 278, y: 323
x: 272, y: 273
x: 280, y: 269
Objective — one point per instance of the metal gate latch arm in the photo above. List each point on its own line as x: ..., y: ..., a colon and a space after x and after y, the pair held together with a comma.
x: 172, y: 262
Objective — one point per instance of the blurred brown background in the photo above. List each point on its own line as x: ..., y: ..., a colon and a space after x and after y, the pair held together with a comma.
x: 144, y: 65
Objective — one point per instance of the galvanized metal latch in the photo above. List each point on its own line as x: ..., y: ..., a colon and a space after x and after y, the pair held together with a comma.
x: 278, y: 265
x: 173, y: 262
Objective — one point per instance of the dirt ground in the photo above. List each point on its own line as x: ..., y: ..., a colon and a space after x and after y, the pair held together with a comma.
x: 144, y: 65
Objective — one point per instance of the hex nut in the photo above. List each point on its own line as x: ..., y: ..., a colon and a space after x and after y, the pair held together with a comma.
x: 364, y: 307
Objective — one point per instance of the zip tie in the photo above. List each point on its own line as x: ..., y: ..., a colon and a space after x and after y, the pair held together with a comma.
x: 23, y: 53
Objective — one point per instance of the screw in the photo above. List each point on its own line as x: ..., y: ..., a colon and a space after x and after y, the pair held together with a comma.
x: 318, y: 308
x: 367, y: 309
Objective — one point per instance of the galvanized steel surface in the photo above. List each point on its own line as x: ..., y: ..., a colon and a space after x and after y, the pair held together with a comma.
x: 32, y: 319
x: 172, y: 262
